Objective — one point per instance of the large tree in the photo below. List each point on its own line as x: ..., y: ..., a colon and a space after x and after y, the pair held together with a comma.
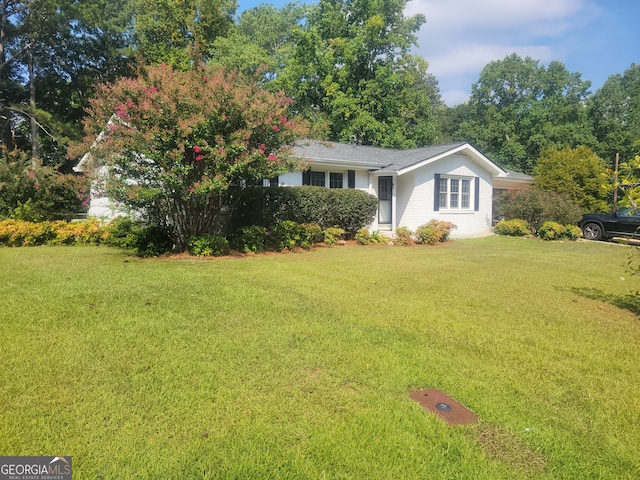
x: 180, y: 32
x: 177, y: 141
x: 615, y: 112
x: 518, y: 107
x: 351, y: 67
x: 52, y: 52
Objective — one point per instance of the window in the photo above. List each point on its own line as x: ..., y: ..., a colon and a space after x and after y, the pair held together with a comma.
x: 317, y: 179
x: 335, y: 180
x: 454, y: 193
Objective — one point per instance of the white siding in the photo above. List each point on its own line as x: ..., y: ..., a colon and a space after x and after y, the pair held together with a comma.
x: 415, y: 205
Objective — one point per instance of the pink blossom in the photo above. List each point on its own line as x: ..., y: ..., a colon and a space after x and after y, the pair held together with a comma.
x: 152, y: 90
x: 221, y: 150
x: 32, y: 174
x: 197, y: 149
x: 205, y: 79
x: 275, y: 128
x: 262, y: 146
x: 199, y: 157
x: 272, y: 157
x: 283, y: 120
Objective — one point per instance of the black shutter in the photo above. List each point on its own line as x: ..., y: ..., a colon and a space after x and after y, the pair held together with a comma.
x: 436, y: 193
x: 306, y: 177
x: 476, y: 202
x: 351, y: 178
x: 274, y: 181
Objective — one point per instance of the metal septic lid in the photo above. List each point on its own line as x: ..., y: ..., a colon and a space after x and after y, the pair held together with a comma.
x: 444, y: 406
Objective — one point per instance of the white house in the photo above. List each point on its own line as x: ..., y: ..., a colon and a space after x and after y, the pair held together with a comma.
x: 453, y: 183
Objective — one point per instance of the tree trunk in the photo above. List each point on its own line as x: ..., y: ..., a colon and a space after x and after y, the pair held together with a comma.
x: 35, y: 161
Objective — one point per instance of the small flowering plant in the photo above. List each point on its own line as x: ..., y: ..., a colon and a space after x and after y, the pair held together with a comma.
x: 177, y: 141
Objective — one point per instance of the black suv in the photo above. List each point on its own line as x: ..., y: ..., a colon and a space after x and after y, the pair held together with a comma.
x: 600, y: 226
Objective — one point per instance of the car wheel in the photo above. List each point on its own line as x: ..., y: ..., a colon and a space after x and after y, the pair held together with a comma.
x: 592, y: 231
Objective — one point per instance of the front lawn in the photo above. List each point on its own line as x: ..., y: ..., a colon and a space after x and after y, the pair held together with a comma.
x: 299, y: 365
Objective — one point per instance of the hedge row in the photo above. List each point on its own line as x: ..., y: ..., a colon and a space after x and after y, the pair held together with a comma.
x: 348, y: 209
x: 549, y: 230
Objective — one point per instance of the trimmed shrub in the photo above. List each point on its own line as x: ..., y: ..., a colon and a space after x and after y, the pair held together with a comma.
x: 403, y: 236
x: 20, y: 233
x: 312, y: 234
x: 514, y: 228
x: 433, y: 232
x: 252, y: 239
x: 122, y: 232
x: 348, y: 209
x: 556, y: 231
x: 332, y: 235
x: 87, y: 232
x: 573, y: 232
x: 208, y: 246
x: 551, y: 231
x: 285, y: 235
x: 363, y: 237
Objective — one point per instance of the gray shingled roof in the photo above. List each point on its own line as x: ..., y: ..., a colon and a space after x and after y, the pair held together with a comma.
x: 382, y: 159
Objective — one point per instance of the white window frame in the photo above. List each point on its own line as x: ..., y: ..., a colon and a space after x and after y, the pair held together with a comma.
x: 452, y: 196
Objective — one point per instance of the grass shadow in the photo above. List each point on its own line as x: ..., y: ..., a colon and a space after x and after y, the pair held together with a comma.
x: 630, y: 301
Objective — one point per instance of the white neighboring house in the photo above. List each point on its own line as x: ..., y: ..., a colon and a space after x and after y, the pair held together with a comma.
x: 454, y: 183
x: 100, y: 206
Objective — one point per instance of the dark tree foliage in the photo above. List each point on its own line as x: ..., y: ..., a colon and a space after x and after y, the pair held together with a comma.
x: 518, y: 107
x: 615, y: 112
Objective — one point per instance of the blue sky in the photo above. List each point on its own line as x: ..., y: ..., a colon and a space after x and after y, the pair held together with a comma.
x: 597, y: 38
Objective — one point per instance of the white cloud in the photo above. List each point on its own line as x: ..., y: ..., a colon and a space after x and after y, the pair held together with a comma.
x: 462, y: 36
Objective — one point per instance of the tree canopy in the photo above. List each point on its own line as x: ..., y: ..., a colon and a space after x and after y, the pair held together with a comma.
x: 518, y: 107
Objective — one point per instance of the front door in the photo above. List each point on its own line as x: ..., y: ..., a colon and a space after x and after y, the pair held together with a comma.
x: 385, y: 187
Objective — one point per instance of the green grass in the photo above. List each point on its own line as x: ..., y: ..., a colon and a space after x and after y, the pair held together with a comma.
x: 300, y: 365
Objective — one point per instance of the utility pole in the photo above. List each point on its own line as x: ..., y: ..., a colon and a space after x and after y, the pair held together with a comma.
x: 615, y: 184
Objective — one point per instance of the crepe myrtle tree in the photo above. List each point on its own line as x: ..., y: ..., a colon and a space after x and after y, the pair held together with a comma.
x: 176, y: 141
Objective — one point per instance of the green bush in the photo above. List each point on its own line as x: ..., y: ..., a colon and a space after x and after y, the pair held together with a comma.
x: 208, y: 245
x: 551, y: 231
x: 378, y: 237
x: 122, y: 232
x: 20, y: 233
x: 537, y: 206
x: 39, y: 194
x: 403, y: 236
x: 348, y: 209
x: 363, y: 237
x: 332, y: 235
x: 285, y: 235
x: 251, y: 239
x: 153, y: 241
x: 433, y: 232
x: 312, y: 233
x: 146, y: 240
x: 573, y: 232
x: 556, y: 231
x: 514, y: 228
